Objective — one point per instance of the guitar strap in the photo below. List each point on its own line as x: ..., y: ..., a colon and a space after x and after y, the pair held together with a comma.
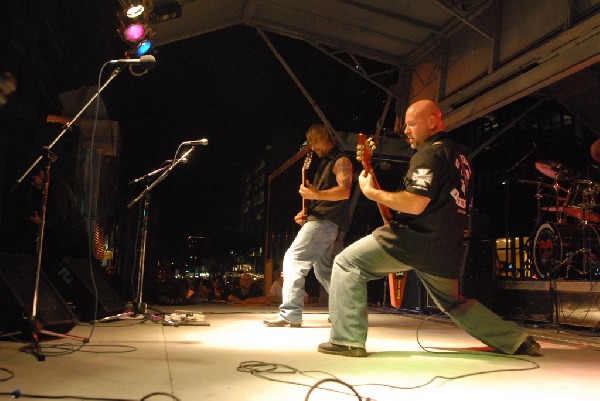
x: 325, y: 172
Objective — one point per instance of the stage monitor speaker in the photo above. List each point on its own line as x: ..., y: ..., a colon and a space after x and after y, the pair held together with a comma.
x: 73, y: 280
x: 17, y: 285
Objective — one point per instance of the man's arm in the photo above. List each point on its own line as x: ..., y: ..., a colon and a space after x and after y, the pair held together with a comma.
x: 401, y: 201
x: 342, y: 169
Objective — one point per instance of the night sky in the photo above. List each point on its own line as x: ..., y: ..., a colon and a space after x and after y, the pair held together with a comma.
x: 227, y: 87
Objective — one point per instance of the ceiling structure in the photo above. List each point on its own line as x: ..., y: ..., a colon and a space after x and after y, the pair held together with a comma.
x: 472, y: 56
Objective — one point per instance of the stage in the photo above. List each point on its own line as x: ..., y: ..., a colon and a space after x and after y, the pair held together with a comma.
x: 234, y: 357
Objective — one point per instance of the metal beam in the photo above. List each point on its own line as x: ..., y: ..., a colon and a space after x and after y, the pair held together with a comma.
x: 387, y: 13
x: 463, y: 19
x: 312, y: 37
x: 295, y: 79
x: 568, y: 53
x: 358, y: 71
x: 493, y: 138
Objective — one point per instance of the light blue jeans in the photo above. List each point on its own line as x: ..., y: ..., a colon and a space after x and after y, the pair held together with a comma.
x: 365, y: 260
x: 311, y: 248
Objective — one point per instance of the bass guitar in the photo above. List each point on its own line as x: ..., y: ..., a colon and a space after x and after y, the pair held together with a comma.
x: 364, y: 150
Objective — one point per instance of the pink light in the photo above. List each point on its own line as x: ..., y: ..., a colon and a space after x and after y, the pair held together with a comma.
x: 135, y: 32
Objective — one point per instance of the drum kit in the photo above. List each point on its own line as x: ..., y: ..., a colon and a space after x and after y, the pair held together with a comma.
x: 566, y: 243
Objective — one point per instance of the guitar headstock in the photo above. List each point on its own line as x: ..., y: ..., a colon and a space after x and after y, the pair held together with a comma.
x: 364, y: 150
x: 307, y: 161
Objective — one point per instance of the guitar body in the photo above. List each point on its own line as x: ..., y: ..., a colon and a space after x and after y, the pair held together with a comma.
x: 396, y: 282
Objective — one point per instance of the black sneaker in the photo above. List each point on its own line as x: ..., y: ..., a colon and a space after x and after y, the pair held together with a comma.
x: 343, y: 350
x: 529, y: 347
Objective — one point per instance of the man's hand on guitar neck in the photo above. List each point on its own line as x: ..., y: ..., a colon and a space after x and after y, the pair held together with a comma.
x: 367, y: 185
x: 308, y: 191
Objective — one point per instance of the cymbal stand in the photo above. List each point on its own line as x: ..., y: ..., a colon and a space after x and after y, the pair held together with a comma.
x: 33, y: 324
x: 554, y: 315
x: 585, y: 237
x: 139, y: 306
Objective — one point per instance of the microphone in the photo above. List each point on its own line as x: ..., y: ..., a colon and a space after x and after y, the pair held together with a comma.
x: 202, y: 141
x: 147, y: 61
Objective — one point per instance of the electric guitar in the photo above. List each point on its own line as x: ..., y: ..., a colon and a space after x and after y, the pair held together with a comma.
x: 364, y: 150
x: 305, y: 168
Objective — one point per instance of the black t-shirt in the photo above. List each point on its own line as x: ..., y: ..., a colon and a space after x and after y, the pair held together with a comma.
x: 431, y: 241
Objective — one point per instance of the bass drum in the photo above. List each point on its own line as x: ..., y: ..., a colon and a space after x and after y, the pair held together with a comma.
x: 566, y: 250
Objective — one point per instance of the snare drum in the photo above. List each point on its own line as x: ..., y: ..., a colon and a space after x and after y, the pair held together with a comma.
x: 566, y: 250
x: 583, y: 201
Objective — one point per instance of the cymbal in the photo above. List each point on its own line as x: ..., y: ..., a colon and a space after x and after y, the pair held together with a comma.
x: 554, y: 170
x: 539, y: 183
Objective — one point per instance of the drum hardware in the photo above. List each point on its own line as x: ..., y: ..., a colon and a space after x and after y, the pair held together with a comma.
x: 566, y: 251
x: 582, y: 201
x: 569, y: 257
x: 554, y: 306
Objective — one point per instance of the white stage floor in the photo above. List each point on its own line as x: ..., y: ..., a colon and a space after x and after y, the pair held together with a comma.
x: 129, y: 359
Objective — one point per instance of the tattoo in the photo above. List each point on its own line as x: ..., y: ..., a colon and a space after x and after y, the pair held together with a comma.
x: 343, y: 172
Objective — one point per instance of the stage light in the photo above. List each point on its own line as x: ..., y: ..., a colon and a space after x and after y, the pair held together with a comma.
x: 143, y: 48
x: 135, y: 28
x: 135, y: 10
x: 134, y: 32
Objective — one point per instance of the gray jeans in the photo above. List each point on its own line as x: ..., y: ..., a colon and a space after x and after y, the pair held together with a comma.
x: 311, y: 248
x: 365, y: 260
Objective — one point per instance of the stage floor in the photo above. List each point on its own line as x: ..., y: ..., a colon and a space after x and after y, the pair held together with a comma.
x: 236, y: 358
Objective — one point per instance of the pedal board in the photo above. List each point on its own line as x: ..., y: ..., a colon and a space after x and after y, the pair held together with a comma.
x: 188, y: 318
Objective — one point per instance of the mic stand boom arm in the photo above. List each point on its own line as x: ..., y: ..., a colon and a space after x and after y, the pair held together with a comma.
x: 160, y: 178
x: 67, y: 126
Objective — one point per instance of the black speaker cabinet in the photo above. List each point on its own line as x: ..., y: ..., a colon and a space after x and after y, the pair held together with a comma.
x: 74, y: 281
x: 17, y: 287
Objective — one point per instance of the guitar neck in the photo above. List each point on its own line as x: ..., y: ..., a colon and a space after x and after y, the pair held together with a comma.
x: 304, y: 201
x: 385, y: 212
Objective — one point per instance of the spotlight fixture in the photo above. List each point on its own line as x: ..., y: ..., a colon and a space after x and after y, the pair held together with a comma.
x: 143, y: 48
x: 134, y: 32
x: 132, y: 8
x: 135, y: 28
x: 135, y: 11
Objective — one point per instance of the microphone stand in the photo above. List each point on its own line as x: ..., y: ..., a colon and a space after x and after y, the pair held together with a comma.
x: 33, y: 325
x: 139, y: 307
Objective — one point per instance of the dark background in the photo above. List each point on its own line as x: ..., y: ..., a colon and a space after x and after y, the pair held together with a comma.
x: 228, y: 87
x: 225, y: 86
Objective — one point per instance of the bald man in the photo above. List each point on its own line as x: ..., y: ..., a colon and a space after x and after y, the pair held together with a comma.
x: 425, y: 235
